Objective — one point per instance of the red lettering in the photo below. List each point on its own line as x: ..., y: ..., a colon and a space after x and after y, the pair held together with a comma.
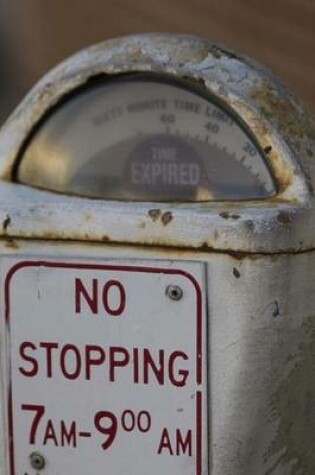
x: 66, y: 350
x: 131, y: 421
x: 165, y: 443
x: 122, y: 298
x: 183, y: 445
x: 49, y: 347
x: 143, y: 366
x: 68, y: 435
x: 50, y: 434
x: 148, y: 362
x: 128, y: 420
x: 34, y: 364
x: 144, y: 421
x: 135, y: 365
x: 179, y: 382
x: 80, y: 290
x: 93, y: 360
x: 116, y: 363
x: 39, y: 413
x: 106, y: 423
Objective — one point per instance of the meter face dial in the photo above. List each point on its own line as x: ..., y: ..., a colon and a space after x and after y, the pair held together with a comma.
x: 141, y: 139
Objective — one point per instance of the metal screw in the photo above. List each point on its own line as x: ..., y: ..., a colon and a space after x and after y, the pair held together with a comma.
x: 174, y: 292
x: 38, y: 462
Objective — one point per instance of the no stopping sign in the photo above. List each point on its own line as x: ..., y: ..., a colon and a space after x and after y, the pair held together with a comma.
x: 106, y: 367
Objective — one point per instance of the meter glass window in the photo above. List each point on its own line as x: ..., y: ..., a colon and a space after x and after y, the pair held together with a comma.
x: 143, y: 139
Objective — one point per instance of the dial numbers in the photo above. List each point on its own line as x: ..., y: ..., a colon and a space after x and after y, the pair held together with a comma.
x: 149, y: 141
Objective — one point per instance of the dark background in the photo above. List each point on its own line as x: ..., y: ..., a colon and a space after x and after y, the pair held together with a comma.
x: 37, y: 34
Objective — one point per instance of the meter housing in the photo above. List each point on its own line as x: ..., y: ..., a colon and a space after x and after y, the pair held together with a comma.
x: 157, y: 213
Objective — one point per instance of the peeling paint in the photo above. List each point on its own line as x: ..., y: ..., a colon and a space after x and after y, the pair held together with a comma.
x: 166, y: 218
x: 6, y: 223
x: 284, y: 218
x: 227, y: 215
x: 277, y: 121
x: 154, y: 214
x: 276, y: 313
x: 284, y: 111
x: 11, y: 244
x: 245, y: 239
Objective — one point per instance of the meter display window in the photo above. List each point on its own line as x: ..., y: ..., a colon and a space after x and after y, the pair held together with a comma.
x: 141, y: 139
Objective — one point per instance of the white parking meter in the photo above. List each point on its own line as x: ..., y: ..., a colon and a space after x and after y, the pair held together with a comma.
x: 157, y: 267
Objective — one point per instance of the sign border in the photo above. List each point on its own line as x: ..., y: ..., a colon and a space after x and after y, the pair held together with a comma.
x: 106, y: 267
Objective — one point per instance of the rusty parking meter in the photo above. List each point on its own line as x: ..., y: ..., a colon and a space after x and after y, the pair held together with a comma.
x: 157, y: 267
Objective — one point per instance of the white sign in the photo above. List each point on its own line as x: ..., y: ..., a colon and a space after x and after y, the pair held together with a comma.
x: 107, y: 365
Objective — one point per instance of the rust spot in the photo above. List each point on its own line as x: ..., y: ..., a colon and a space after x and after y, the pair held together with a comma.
x: 6, y: 223
x: 226, y: 215
x: 239, y: 256
x: 142, y: 225
x: 46, y: 235
x: 284, y: 218
x: 166, y: 218
x: 282, y: 175
x: 154, y: 214
x: 268, y: 149
x: 104, y: 238
x: 284, y: 179
x: 10, y: 243
x: 216, y: 52
x: 200, y: 81
x: 7, y: 173
x: 236, y: 273
x: 216, y: 234
x: 284, y: 112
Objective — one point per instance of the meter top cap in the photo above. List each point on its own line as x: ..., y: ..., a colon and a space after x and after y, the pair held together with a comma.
x: 180, y: 140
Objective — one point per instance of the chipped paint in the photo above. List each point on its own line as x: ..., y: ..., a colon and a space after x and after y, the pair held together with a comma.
x: 227, y: 215
x: 261, y: 354
x: 284, y: 218
x: 166, y: 218
x: 236, y: 273
x: 11, y: 244
x: 154, y: 214
x: 278, y: 121
x: 6, y: 223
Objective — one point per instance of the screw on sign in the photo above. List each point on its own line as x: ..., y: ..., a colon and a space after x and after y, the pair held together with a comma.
x: 140, y: 391
x: 135, y: 356
x: 66, y: 434
x: 37, y: 461
x: 106, y: 423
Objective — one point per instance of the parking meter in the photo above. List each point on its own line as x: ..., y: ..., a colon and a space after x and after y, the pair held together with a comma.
x: 157, y: 267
